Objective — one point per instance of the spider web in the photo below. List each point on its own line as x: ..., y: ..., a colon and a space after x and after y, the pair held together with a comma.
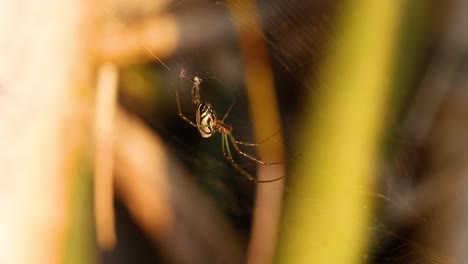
x: 410, y: 204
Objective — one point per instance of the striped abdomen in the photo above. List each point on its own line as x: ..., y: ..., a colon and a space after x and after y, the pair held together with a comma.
x: 205, y: 118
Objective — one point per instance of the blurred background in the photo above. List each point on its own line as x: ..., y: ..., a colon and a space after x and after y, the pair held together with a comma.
x: 360, y: 105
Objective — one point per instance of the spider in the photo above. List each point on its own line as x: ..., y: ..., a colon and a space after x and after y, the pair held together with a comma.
x: 208, y: 124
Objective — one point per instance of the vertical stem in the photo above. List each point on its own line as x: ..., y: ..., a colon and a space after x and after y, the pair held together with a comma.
x: 104, y: 155
x: 326, y: 219
x: 265, y: 117
x: 44, y: 123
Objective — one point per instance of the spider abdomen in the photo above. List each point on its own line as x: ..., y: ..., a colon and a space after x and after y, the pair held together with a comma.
x: 206, y: 117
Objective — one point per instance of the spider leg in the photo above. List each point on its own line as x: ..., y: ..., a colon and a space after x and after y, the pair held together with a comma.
x: 228, y: 156
x: 229, y: 110
x: 186, y: 119
x: 195, y: 86
x: 236, y: 147
x: 258, y: 143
